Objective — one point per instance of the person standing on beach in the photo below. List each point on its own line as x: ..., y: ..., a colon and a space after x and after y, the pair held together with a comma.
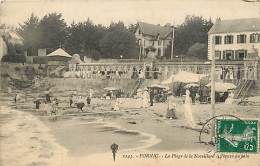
x: 48, y: 97
x: 151, y: 97
x: 171, y: 111
x: 71, y: 100
x: 188, y: 111
x: 116, y: 104
x: 145, y: 97
x: 204, y: 94
x: 80, y: 104
x: 192, y: 94
x: 91, y: 93
x: 88, y: 100
x: 15, y: 98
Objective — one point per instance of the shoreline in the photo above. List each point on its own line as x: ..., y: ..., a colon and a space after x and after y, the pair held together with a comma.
x: 29, y: 139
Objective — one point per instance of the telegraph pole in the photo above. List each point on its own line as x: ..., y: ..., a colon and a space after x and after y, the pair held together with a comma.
x: 1, y: 31
x: 172, y: 41
x: 213, y: 74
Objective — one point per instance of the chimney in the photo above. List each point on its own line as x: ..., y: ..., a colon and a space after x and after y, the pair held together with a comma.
x: 218, y: 20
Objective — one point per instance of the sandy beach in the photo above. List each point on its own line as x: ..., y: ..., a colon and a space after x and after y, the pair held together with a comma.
x: 75, y: 138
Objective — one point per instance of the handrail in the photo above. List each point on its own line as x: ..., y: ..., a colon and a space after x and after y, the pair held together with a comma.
x: 137, y: 85
x: 247, y: 88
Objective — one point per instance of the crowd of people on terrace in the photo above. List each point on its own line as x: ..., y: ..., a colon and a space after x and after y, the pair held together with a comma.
x: 131, y: 73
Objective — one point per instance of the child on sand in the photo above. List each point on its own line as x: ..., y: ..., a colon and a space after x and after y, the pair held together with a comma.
x: 116, y: 105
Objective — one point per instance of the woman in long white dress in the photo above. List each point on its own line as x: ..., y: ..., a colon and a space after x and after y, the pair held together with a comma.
x: 230, y: 98
x: 188, y: 111
x: 145, y: 96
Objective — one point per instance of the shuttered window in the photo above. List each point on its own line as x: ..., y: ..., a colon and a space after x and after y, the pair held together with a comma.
x: 218, y: 40
x: 255, y: 38
x: 241, y: 38
x: 229, y: 39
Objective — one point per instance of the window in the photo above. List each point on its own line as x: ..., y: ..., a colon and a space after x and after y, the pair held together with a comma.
x: 229, y: 39
x: 241, y: 54
x: 229, y: 55
x: 218, y: 40
x: 139, y: 42
x: 255, y: 38
x: 224, y: 55
x: 217, y: 55
x: 241, y: 38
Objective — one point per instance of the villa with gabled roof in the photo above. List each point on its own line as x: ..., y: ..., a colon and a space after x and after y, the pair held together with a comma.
x: 153, y: 38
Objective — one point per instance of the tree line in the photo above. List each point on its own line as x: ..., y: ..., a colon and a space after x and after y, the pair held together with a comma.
x: 114, y: 41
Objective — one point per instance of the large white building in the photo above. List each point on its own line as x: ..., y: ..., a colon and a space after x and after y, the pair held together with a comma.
x: 234, y: 39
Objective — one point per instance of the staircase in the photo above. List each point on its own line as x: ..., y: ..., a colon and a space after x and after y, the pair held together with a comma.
x: 243, y: 88
x: 57, y: 71
x: 138, y: 84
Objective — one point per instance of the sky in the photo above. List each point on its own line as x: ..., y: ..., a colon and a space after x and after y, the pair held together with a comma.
x: 13, y: 12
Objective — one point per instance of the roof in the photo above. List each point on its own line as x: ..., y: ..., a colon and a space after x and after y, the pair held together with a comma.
x: 234, y: 26
x: 15, y: 35
x: 154, y: 30
x: 11, y: 36
x: 59, y: 52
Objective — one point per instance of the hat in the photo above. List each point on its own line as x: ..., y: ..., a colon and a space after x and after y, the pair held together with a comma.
x: 173, y: 104
x: 138, y: 90
x: 169, y: 93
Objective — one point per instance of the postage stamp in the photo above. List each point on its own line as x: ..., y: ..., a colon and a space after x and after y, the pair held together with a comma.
x: 235, y: 135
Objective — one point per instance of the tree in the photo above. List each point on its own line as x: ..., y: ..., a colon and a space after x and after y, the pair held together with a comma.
x: 118, y: 41
x: 193, y: 30
x: 116, y: 26
x: 53, y: 31
x: 83, y: 38
x: 198, y: 50
x: 132, y: 28
x: 31, y: 34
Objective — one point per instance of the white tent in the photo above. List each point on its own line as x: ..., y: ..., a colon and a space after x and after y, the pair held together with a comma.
x: 185, y: 77
x: 168, y: 81
x: 59, y: 52
x: 222, y: 86
x: 188, y: 77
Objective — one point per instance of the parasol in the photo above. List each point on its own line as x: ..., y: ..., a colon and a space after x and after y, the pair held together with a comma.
x: 111, y: 88
x: 190, y: 85
x: 159, y: 86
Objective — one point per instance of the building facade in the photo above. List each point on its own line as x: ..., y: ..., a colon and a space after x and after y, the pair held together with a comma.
x: 233, y: 40
x: 153, y: 39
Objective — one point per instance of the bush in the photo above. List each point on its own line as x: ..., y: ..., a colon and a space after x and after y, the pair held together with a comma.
x: 17, y: 68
